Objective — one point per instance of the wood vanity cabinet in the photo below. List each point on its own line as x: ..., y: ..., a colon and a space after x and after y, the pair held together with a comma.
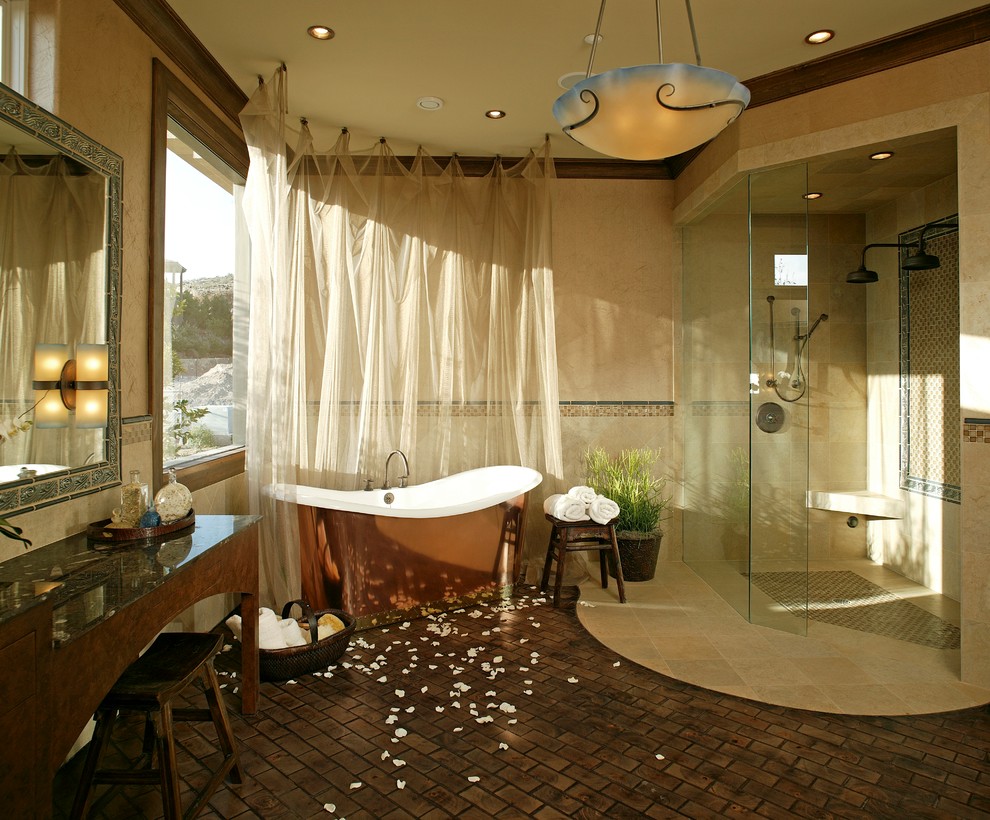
x: 25, y: 678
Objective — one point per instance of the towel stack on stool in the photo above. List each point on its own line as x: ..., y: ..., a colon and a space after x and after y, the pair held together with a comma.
x: 581, y: 504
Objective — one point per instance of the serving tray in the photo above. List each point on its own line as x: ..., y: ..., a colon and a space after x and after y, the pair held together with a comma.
x: 99, y: 531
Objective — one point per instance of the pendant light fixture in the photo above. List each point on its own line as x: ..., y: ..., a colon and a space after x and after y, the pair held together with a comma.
x: 650, y: 112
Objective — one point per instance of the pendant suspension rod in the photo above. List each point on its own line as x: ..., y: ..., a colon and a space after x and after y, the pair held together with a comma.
x: 594, y: 43
x: 659, y: 34
x: 694, y: 33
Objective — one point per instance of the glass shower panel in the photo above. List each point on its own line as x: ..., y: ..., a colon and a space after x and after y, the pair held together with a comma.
x: 715, y: 393
x: 780, y: 346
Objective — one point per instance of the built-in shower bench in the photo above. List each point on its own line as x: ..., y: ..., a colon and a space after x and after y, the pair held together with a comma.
x: 860, y: 502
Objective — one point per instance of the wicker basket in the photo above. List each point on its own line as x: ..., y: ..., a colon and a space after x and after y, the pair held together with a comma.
x: 282, y: 664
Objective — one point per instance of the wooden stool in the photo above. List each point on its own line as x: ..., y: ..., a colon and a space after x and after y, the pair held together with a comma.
x: 580, y: 536
x: 149, y: 685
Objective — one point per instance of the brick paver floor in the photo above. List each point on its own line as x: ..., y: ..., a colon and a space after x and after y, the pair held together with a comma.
x: 515, y: 711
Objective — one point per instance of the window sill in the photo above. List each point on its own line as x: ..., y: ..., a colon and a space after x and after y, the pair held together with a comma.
x: 199, y: 473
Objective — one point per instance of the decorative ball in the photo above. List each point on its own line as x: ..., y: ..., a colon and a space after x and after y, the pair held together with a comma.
x: 151, y: 518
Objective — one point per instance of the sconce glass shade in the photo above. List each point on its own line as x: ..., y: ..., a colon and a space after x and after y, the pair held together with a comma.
x: 50, y: 411
x: 92, y: 365
x: 91, y: 408
x: 48, y: 363
x: 650, y: 112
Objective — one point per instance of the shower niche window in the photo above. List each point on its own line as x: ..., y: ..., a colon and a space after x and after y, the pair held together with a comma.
x: 929, y: 364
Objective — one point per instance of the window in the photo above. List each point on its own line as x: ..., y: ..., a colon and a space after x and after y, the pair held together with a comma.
x: 199, y: 288
x: 790, y: 269
x: 13, y: 44
x: 202, y: 384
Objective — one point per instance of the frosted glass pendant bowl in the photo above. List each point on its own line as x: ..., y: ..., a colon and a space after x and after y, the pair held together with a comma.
x: 650, y: 112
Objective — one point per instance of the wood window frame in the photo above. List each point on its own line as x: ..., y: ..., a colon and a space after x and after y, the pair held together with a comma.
x: 173, y: 99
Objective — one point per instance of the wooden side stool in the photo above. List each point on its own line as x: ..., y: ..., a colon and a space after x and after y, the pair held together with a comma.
x: 149, y: 685
x: 581, y: 536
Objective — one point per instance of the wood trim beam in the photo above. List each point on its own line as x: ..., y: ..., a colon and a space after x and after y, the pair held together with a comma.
x: 166, y: 29
x: 920, y: 43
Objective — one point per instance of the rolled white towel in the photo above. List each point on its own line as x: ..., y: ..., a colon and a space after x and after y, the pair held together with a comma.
x: 569, y: 508
x: 292, y: 634
x: 603, y: 510
x: 549, y: 502
x: 234, y: 625
x: 270, y: 636
x: 585, y: 494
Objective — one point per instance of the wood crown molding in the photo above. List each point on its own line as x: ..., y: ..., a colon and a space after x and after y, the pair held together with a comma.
x: 949, y: 34
x: 166, y: 29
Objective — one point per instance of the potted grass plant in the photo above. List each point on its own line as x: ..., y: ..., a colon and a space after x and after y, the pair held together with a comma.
x: 630, y: 480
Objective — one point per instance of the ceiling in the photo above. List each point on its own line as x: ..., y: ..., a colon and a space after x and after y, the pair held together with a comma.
x: 479, y: 55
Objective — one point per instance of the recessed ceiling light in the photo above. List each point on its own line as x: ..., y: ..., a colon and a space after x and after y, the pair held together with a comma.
x: 816, y: 38
x: 429, y: 103
x: 813, y: 195
x: 320, y: 32
x: 589, y: 39
x: 882, y: 155
x: 495, y: 114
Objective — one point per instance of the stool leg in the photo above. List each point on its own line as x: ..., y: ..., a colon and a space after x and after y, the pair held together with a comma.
x: 603, y: 568
x: 619, y: 582
x: 97, y: 747
x: 214, y: 699
x: 554, y: 535
x: 561, y: 560
x: 168, y: 771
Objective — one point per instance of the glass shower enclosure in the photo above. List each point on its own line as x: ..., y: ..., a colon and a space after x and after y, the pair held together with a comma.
x: 746, y: 388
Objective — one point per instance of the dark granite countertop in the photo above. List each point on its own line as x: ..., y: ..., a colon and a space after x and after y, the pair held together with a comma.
x: 88, y: 581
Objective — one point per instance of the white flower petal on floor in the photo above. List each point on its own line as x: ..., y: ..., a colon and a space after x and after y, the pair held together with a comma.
x: 660, y: 757
x: 400, y: 732
x: 508, y: 708
x: 383, y: 679
x: 473, y: 778
x: 503, y: 746
x: 397, y: 762
x: 400, y: 784
x: 330, y: 807
x: 391, y: 719
x: 400, y: 693
x: 357, y: 784
x: 458, y: 728
x: 617, y: 663
x: 527, y: 691
x: 386, y: 755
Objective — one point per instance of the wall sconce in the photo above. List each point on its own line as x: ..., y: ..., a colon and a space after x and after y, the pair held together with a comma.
x: 62, y: 384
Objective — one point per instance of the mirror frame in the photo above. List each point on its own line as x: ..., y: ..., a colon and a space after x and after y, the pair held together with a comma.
x: 52, y: 488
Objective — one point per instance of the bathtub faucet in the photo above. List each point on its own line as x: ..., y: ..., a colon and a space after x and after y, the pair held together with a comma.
x: 403, y: 479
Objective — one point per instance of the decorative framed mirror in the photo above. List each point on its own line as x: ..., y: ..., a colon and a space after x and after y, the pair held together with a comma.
x: 60, y: 246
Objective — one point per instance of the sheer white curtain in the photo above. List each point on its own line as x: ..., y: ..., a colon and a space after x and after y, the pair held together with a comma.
x: 391, y: 308
x: 52, y: 289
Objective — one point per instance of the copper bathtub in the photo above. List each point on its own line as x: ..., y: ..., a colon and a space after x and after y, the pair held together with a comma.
x: 389, y: 552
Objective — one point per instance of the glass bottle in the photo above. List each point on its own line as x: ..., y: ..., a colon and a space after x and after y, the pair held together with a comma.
x: 173, y: 501
x: 133, y: 500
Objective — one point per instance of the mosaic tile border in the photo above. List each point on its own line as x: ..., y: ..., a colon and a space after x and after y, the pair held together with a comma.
x: 976, y: 431
x: 916, y: 484
x: 568, y: 409
x: 136, y: 430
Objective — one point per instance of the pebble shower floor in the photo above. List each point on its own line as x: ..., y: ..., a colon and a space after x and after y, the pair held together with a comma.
x: 512, y: 710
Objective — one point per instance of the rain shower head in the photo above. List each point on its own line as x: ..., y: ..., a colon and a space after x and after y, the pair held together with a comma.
x: 862, y: 276
x: 919, y: 260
